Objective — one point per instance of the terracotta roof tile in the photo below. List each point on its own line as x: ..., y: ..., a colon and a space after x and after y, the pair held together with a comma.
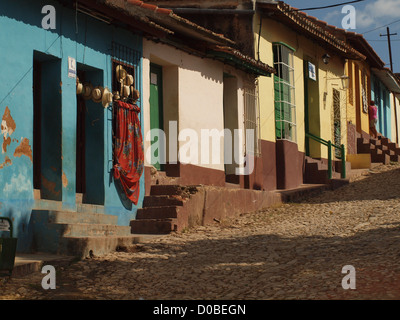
x: 150, y: 6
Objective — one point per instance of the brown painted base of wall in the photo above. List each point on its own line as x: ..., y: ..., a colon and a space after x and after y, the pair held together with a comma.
x: 351, y: 138
x: 268, y: 151
x: 280, y: 166
x: 147, y: 180
x: 210, y: 204
x: 289, y: 165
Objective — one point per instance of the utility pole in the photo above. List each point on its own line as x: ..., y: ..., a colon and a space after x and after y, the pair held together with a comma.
x: 388, y: 34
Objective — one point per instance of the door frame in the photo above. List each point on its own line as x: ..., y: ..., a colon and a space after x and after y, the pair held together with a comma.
x: 158, y: 70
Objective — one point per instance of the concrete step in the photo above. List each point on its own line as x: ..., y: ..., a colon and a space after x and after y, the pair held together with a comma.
x: 375, y: 142
x: 43, y: 204
x: 154, y: 226
x: 395, y: 158
x: 50, y: 216
x: 159, y: 190
x: 378, y: 156
x: 158, y: 212
x: 88, y: 229
x: 91, y: 245
x: 158, y: 201
x: 320, y: 177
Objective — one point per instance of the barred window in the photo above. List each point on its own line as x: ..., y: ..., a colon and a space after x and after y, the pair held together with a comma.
x: 284, y: 90
x: 252, y: 118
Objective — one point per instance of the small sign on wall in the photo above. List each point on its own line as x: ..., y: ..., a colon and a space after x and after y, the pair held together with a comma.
x: 4, y: 225
x: 312, y: 72
x: 71, y: 67
x: 153, y: 78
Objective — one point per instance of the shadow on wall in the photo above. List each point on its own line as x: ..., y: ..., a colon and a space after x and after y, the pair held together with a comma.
x: 22, y: 226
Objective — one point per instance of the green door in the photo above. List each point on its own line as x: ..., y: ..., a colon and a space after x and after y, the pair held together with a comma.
x: 156, y: 112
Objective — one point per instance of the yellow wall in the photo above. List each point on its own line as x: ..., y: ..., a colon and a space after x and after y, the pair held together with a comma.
x: 328, y: 78
x: 393, y: 118
x: 356, y: 104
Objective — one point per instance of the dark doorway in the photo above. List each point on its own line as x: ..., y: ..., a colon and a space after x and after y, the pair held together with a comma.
x: 90, y: 139
x: 47, y: 160
x: 80, y: 139
x: 37, y: 123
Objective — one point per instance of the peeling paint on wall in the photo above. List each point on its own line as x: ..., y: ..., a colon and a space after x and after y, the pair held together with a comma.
x: 7, y: 123
x: 7, y: 162
x: 6, y: 143
x: 24, y: 149
x: 7, y: 128
x: 64, y: 180
x: 50, y: 186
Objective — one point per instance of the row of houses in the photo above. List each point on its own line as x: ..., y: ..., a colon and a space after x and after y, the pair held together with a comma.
x: 122, y: 96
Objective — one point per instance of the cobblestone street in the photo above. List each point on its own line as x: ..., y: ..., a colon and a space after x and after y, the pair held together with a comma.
x: 293, y: 251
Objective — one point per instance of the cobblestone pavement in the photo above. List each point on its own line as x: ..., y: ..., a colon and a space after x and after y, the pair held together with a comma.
x: 292, y: 251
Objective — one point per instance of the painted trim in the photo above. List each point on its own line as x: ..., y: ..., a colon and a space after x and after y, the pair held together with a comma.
x: 283, y: 44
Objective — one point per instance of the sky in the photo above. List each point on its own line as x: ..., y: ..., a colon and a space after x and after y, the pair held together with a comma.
x: 370, y: 15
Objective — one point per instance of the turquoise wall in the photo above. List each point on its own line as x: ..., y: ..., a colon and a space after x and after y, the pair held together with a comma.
x: 381, y: 95
x: 89, y: 41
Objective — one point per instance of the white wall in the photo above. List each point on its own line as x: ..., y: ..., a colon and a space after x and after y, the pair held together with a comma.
x: 193, y: 93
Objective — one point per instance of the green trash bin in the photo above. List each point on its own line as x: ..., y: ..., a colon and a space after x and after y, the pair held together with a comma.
x: 8, y: 248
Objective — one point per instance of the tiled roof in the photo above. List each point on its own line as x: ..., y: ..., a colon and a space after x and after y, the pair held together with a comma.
x: 167, y: 19
x: 158, y: 23
x: 354, y: 39
x: 311, y: 27
x: 150, y: 7
x: 246, y: 61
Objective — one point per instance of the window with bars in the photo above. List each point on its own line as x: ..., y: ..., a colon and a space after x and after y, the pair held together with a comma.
x: 284, y: 93
x: 364, y: 88
x: 129, y: 60
x: 252, y: 118
x: 350, y: 87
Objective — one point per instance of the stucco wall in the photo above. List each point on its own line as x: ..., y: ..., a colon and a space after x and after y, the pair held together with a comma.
x: 328, y: 78
x: 192, y: 94
x: 90, y: 45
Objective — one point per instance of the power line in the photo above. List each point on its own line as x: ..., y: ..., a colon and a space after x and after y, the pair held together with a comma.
x: 330, y: 6
x: 386, y: 25
x: 378, y: 40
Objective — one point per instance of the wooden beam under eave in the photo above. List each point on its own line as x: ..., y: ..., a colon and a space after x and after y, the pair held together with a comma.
x: 120, y: 17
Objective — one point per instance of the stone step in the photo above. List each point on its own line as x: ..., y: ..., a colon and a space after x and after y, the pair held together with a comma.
x: 158, y: 201
x: 158, y: 212
x: 154, y: 226
x: 50, y: 216
x: 88, y: 230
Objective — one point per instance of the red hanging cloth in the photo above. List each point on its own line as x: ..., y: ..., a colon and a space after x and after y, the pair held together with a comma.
x: 128, y: 149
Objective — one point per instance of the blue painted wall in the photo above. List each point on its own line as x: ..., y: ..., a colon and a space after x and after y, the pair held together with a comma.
x: 381, y: 95
x: 90, y: 44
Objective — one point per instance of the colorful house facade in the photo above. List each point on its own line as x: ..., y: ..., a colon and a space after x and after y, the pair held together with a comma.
x: 68, y: 91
